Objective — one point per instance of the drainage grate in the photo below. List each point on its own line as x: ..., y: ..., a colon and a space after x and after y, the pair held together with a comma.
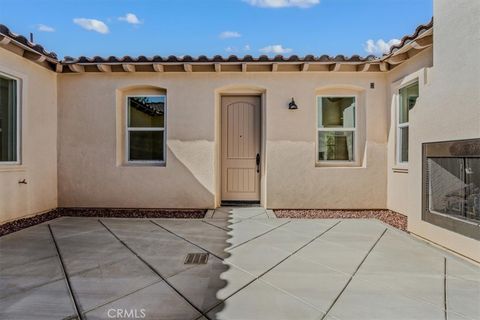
x: 196, y: 258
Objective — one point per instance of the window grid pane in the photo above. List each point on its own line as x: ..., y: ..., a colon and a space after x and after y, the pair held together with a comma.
x: 407, y: 99
x: 336, y: 112
x: 147, y: 112
x: 403, y: 149
x: 336, y: 145
x: 8, y: 120
x: 146, y: 145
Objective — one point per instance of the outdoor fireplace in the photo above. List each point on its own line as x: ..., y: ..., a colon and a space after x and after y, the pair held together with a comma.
x: 451, y: 185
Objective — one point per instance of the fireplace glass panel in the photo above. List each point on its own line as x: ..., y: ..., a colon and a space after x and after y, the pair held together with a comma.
x: 454, y: 186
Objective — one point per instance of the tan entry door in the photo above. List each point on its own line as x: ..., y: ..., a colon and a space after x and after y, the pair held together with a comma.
x: 241, y: 148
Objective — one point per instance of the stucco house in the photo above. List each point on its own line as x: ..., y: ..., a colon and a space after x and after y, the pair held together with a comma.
x: 398, y: 132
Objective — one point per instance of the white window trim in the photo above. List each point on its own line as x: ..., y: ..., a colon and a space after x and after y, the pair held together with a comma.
x: 128, y: 129
x: 399, y: 125
x: 19, y: 120
x: 354, y: 130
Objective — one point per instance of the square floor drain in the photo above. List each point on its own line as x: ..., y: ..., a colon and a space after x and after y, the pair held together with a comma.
x: 196, y: 258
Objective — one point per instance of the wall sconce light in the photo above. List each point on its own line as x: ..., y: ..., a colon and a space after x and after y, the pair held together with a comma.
x: 292, y: 105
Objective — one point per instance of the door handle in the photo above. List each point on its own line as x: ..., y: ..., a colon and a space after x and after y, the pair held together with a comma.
x: 257, y: 160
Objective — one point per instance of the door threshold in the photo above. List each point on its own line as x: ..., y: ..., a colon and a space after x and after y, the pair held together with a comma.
x: 237, y: 203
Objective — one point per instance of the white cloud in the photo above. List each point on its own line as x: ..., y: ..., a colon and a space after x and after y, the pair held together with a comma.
x: 130, y: 18
x: 45, y: 28
x: 275, y: 48
x: 235, y: 49
x: 283, y: 3
x: 92, y: 25
x: 229, y: 34
x: 379, y: 47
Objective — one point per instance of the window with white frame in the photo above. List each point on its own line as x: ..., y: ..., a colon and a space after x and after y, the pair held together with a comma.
x: 407, y: 97
x: 146, y: 128
x: 336, y: 128
x: 9, y: 117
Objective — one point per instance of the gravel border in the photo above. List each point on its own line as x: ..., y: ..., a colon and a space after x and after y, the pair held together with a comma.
x: 23, y: 223
x: 390, y: 217
x: 133, y: 213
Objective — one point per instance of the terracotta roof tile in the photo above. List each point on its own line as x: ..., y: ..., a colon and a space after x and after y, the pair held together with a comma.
x: 21, y: 39
x: 219, y: 58
x: 406, y: 39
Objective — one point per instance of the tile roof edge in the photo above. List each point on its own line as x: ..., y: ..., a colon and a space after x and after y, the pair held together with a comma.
x: 219, y: 59
x: 407, y: 38
x: 4, y: 30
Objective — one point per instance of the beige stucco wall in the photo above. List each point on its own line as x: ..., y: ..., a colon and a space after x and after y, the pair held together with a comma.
x: 397, y: 174
x: 448, y: 109
x: 38, y: 142
x: 92, y: 173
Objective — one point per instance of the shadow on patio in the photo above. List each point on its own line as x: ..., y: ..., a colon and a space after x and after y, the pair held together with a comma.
x: 258, y: 268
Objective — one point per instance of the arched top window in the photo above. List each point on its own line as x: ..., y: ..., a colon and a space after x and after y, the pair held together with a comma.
x: 145, y: 125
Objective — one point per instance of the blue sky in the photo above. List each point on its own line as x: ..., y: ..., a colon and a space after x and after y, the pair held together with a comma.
x: 195, y: 27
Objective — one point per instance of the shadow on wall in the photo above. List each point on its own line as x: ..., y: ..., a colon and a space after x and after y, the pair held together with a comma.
x: 197, y: 158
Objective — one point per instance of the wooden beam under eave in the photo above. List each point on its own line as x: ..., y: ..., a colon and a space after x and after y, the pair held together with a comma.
x: 384, y: 66
x: 305, y: 67
x: 187, y: 67
x: 5, y: 40
x: 218, y: 67
x: 398, y: 58
x: 104, y: 68
x: 158, y: 67
x: 244, y: 67
x: 59, y: 68
x: 33, y: 56
x: 128, y: 67
x: 364, y: 67
x: 76, y: 68
x: 422, y: 43
x: 274, y: 67
x: 335, y: 67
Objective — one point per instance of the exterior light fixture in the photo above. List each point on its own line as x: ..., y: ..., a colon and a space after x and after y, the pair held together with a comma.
x: 292, y: 105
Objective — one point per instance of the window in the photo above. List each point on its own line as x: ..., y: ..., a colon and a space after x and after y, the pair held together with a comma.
x: 8, y: 120
x: 146, y: 129
x: 407, y: 98
x: 336, y: 128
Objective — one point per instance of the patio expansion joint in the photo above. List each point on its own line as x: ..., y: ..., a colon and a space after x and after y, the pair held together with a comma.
x: 213, y: 225
x: 122, y: 296
x: 191, y: 242
x: 34, y: 261
x: 273, y: 267
x: 66, y: 277
x: 154, y: 270
x: 445, y: 287
x: 353, y: 274
x: 23, y: 291
x: 256, y: 215
x: 407, y: 296
x: 258, y: 236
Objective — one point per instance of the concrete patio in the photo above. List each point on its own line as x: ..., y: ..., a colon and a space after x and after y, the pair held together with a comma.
x: 259, y: 267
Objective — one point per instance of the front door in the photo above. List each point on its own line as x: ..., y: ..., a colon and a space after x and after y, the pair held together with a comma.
x: 241, y: 148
